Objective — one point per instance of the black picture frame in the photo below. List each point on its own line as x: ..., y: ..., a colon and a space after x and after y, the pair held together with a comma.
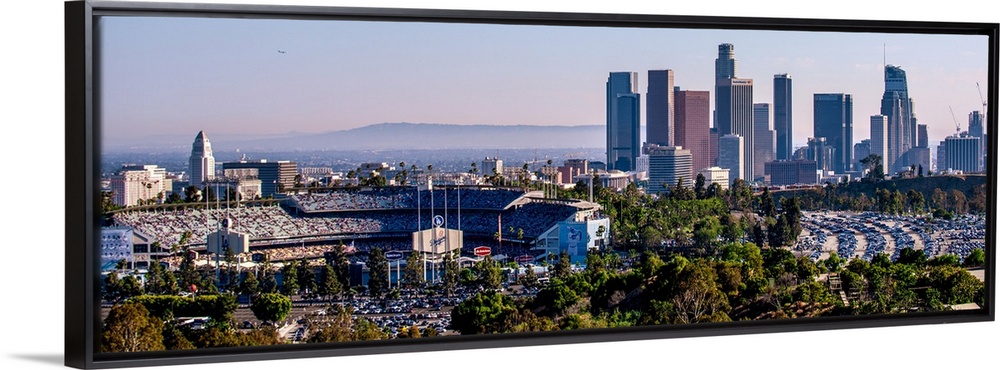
x: 82, y: 196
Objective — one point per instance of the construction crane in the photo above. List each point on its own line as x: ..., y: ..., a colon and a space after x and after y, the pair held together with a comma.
x: 980, y: 90
x: 958, y: 127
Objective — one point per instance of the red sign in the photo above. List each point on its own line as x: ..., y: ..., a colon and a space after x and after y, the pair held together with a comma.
x: 481, y: 251
x: 524, y: 259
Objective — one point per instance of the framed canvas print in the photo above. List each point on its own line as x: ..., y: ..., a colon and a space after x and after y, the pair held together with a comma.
x: 257, y: 182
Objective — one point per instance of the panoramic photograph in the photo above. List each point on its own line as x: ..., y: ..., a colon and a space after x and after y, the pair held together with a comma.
x: 268, y: 181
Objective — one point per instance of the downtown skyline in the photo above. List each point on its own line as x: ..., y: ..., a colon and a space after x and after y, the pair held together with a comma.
x: 226, y: 76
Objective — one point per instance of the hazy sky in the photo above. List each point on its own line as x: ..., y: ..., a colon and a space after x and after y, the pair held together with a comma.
x: 226, y: 76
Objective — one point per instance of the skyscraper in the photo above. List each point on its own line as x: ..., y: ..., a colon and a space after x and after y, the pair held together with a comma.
x: 622, y: 121
x: 976, y: 124
x: 660, y: 108
x: 667, y: 165
x: 725, y: 64
x: 731, y: 151
x: 976, y: 130
x: 713, y: 143
x: 833, y: 120
x: 880, y: 138
x: 725, y: 68
x: 861, y: 151
x: 763, y: 138
x: 941, y: 162
x: 734, y: 115
x: 691, y: 119
x: 201, y: 163
x: 962, y: 153
x: 822, y: 153
x: 275, y: 176
x: 922, y: 136
x: 898, y: 109
x: 783, y: 116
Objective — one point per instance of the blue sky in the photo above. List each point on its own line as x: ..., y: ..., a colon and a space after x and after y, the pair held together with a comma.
x: 181, y: 75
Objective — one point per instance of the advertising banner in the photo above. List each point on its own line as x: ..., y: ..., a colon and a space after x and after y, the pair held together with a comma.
x: 573, y: 239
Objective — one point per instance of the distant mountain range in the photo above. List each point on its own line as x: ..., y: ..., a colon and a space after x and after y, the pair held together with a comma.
x: 385, y: 136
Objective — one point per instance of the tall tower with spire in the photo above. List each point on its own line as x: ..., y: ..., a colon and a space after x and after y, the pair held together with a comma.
x: 202, y: 163
x: 897, y: 106
x: 734, y: 109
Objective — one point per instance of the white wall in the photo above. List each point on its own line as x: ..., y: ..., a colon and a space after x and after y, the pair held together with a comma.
x: 32, y: 312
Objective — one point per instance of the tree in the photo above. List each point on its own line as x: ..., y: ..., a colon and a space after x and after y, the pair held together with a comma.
x: 339, y: 328
x: 767, y: 207
x: 378, y: 271
x: 740, y: 195
x: 289, y: 279
x: 483, y: 313
x: 192, y: 194
x: 557, y: 296
x: 976, y: 258
x: 174, y: 198
x: 910, y: 256
x: 792, y: 214
x: 450, y: 278
x: 249, y: 286
x: 364, y: 329
x: 413, y: 273
x: 111, y: 289
x: 699, y: 186
x: 776, y: 231
x: 562, y: 267
x: 271, y: 307
x: 714, y: 190
x: 130, y: 287
x: 187, y: 274
x: 732, y: 228
x: 939, y: 199
x: 528, y: 279
x: 232, y: 274
x: 682, y: 192
x: 130, y: 328
x: 268, y: 280
x: 955, y: 284
x: 915, y: 201
x: 330, y: 284
x: 159, y: 280
x: 306, y: 278
x: 698, y: 297
x: 959, y: 204
x: 706, y: 234
x: 873, y: 165
x: 978, y: 200
x: 488, y: 274
x: 747, y: 255
x: 337, y: 258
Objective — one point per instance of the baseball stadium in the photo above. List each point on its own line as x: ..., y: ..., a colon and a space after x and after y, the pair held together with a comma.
x: 511, y: 222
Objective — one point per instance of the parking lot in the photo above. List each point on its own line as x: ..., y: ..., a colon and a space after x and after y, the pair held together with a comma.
x: 867, y: 234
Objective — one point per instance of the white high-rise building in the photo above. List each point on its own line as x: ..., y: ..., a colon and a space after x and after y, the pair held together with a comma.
x: 716, y: 175
x: 133, y: 184
x: 667, y: 166
x: 201, y: 163
x: 734, y: 115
